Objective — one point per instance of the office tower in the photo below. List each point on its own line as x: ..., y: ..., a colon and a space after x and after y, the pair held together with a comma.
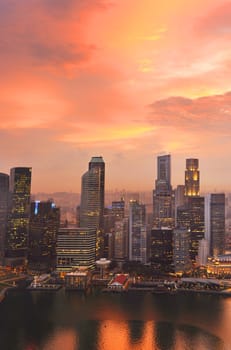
x: 118, y: 209
x: 203, y: 252
x: 161, y: 249
x: 16, y: 248
x: 121, y: 240
x: 43, y: 229
x: 4, y: 194
x: 179, y: 196
x: 181, y: 245
x: 215, y: 223
x: 92, y: 195
x: 92, y: 200
x: 163, y: 196
x: 76, y: 248
x: 197, y: 224
x: 192, y: 178
x: 137, y: 232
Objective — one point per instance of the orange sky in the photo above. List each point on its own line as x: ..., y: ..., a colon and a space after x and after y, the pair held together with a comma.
x: 128, y: 80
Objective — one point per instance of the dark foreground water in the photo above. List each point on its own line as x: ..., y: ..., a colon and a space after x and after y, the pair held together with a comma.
x: 62, y: 321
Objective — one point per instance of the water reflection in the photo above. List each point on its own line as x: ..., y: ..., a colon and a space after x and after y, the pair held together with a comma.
x: 114, y: 322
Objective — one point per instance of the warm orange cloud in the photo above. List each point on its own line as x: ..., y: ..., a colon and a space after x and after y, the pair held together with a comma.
x: 77, y: 77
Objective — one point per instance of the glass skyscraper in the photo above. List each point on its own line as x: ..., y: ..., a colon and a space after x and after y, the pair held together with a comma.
x: 163, y: 197
x: 4, y: 194
x: 92, y: 200
x: 18, y: 216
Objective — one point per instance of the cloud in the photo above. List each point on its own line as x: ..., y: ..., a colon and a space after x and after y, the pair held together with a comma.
x: 210, y: 114
x: 216, y: 23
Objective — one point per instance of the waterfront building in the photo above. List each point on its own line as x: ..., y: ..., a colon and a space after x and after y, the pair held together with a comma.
x: 215, y: 223
x: 76, y: 248
x: 16, y: 244
x: 137, y: 232
x: 163, y: 195
x: 192, y: 178
x: 4, y: 194
x: 161, y: 249
x: 203, y: 252
x: 181, y: 245
x: 119, y: 283
x: 92, y: 200
x: 43, y: 228
x: 220, y: 265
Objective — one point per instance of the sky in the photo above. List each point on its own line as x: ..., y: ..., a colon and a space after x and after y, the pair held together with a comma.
x: 124, y: 79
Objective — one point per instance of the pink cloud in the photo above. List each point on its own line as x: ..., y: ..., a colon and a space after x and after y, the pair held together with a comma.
x: 210, y: 114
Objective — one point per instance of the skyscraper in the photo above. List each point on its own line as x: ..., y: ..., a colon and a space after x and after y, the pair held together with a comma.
x: 163, y: 197
x: 18, y: 218
x: 137, y: 232
x: 181, y: 245
x: 43, y: 229
x: 161, y: 245
x: 75, y: 248
x: 4, y: 194
x: 192, y: 178
x: 215, y: 223
x: 92, y: 199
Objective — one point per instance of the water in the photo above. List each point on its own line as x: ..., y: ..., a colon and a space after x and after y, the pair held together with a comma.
x: 72, y: 321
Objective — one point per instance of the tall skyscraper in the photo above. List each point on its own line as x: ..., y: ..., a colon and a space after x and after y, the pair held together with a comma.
x: 181, y: 246
x: 4, y: 194
x: 215, y: 223
x: 137, y: 232
x: 121, y: 240
x: 192, y: 178
x: 43, y: 229
x: 18, y: 218
x: 92, y: 200
x: 163, y: 196
x: 75, y: 248
x: 161, y: 244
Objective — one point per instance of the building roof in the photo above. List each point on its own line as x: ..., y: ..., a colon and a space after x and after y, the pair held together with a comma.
x: 119, y: 279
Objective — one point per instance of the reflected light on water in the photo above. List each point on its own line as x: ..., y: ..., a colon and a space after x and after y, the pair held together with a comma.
x: 116, y: 335
x: 62, y: 339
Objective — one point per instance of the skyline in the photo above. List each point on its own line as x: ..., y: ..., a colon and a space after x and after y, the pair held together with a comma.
x: 126, y: 81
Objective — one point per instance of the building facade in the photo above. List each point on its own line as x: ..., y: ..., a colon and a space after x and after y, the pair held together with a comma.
x: 43, y: 228
x: 4, y: 195
x: 192, y: 178
x: 76, y: 248
x: 92, y: 201
x: 137, y: 232
x: 181, y: 245
x: 163, y: 195
x: 161, y: 249
x: 16, y: 243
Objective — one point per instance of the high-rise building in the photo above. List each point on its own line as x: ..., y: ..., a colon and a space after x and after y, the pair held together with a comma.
x: 121, y: 240
x: 4, y: 194
x: 163, y: 196
x: 92, y: 195
x: 161, y: 249
x: 43, y: 229
x: 92, y: 200
x: 16, y: 248
x: 181, y: 245
x: 215, y: 223
x: 75, y: 248
x: 192, y: 178
x: 137, y: 232
x: 191, y: 217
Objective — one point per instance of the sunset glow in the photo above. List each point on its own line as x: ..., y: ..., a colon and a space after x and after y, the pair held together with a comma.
x: 127, y: 80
